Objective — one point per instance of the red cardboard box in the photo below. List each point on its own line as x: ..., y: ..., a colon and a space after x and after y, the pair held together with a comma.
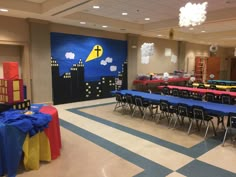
x: 10, y: 70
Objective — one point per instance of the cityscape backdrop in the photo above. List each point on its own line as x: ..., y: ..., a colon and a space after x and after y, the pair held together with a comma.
x: 86, y: 68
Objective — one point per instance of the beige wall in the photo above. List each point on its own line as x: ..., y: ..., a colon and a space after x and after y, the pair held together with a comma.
x: 193, y: 50
x: 86, y: 31
x: 10, y: 53
x: 41, y: 62
x: 159, y: 63
x: 14, y: 38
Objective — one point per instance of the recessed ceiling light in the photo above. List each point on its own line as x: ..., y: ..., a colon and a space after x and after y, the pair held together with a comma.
x: 191, y: 28
x: 96, y: 7
x: 124, y: 13
x: 3, y: 10
x: 147, y: 19
x: 203, y: 31
x: 104, y: 26
x: 82, y: 23
x: 159, y: 35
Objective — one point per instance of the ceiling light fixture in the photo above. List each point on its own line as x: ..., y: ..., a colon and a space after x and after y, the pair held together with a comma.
x: 3, y: 10
x: 124, y: 13
x: 96, y: 7
x: 192, y: 14
x: 147, y: 19
x: 82, y: 23
x: 104, y: 26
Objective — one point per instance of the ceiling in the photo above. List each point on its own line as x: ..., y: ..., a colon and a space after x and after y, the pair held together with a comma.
x: 220, y: 26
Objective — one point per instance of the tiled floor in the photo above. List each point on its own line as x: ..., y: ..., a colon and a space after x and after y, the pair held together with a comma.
x: 100, y: 142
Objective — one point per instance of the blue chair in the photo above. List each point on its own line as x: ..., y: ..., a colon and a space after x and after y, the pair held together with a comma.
x: 120, y: 101
x: 201, y: 117
x: 231, y: 124
x: 167, y: 111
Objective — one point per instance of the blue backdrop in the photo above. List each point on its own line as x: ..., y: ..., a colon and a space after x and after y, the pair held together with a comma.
x: 68, y: 49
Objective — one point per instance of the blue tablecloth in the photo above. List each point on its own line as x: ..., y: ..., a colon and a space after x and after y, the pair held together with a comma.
x: 211, y: 108
x: 14, y: 126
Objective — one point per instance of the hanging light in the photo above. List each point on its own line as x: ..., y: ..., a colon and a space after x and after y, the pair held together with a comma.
x: 192, y: 14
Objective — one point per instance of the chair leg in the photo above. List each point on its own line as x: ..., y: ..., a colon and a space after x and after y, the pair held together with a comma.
x: 134, y: 110
x: 214, y: 130
x: 207, y: 129
x: 190, y: 126
x: 226, y: 131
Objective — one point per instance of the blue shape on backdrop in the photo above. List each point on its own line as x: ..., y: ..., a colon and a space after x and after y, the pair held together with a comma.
x: 68, y: 49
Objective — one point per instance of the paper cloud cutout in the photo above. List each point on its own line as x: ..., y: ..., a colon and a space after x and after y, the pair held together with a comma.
x: 103, y: 62
x: 109, y: 60
x: 70, y: 55
x: 113, y: 68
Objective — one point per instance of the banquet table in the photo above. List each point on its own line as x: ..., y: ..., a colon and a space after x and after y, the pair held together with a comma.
x: 42, y: 144
x: 210, y: 107
x: 158, y: 81
x: 200, y: 90
x: 226, y: 82
x: 223, y: 87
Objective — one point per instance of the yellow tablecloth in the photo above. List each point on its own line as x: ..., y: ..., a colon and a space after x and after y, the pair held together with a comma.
x: 36, y: 149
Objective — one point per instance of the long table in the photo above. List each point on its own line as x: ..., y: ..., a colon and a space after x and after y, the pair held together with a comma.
x: 226, y: 82
x: 211, y: 108
x: 158, y: 81
x: 200, y: 90
x: 223, y: 87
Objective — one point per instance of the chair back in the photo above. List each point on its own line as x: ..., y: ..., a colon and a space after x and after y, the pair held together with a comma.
x: 175, y: 92
x: 183, y: 109
x: 165, y: 90
x: 129, y: 99
x: 138, y: 100
x: 233, y: 89
x: 164, y: 105
x: 198, y: 112
x: 119, y: 97
x: 221, y: 83
x: 185, y: 94
x: 202, y: 86
x: 210, y: 97
x: 232, y: 120
x: 226, y: 99
x: 213, y: 87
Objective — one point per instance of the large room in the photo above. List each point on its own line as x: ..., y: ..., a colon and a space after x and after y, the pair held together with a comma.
x: 110, y: 88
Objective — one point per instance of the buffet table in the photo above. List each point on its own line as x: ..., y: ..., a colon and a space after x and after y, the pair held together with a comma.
x: 37, y: 134
x: 146, y: 84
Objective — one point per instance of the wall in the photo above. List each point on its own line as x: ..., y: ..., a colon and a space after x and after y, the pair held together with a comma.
x: 86, y: 31
x: 193, y: 50
x: 10, y: 53
x: 40, y: 62
x: 159, y: 63
x: 14, y: 40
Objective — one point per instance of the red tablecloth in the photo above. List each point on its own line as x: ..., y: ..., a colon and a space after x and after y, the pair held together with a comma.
x: 154, y: 81
x: 53, y: 131
x: 199, y: 90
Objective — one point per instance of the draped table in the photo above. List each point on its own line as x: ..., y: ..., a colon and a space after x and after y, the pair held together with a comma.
x: 37, y: 135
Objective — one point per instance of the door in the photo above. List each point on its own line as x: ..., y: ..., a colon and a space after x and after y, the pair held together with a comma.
x: 213, y: 67
x: 233, y: 69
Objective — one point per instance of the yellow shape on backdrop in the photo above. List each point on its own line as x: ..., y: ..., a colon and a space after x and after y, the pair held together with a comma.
x: 95, y: 53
